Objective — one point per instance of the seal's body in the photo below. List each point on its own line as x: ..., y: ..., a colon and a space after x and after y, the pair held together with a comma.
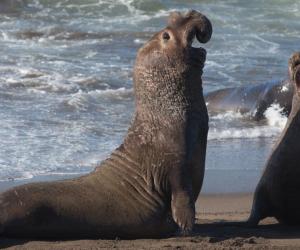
x: 278, y: 192
x: 149, y: 185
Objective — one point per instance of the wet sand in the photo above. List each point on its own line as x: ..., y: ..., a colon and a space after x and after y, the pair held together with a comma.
x: 212, y: 209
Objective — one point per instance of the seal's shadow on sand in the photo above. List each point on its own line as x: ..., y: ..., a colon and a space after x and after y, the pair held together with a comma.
x: 218, y: 232
x: 212, y: 232
x: 4, y: 242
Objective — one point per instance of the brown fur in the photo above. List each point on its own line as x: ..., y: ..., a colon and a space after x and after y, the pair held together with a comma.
x: 148, y: 186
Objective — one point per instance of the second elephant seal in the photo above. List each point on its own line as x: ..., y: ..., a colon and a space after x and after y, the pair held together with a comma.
x: 278, y: 192
x: 148, y: 186
x: 253, y: 99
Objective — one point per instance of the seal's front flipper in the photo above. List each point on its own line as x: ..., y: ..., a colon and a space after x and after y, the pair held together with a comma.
x: 182, y: 202
x: 259, y: 211
x: 254, y: 218
x: 183, y: 212
x: 260, y: 207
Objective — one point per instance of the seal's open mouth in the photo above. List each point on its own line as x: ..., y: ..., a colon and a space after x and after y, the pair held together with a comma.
x: 297, y: 75
x: 294, y: 68
x: 193, y: 25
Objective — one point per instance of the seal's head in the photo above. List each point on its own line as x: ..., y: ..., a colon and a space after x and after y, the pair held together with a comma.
x: 167, y: 66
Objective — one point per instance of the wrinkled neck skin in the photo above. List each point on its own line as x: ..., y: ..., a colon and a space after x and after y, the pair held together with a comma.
x: 167, y: 85
x: 170, y: 109
x: 170, y: 100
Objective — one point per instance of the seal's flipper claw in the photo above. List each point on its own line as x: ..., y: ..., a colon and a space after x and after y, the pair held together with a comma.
x: 183, y: 212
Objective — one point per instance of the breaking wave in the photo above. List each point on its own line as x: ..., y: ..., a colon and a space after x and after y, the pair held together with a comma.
x: 82, y: 100
x: 237, y: 126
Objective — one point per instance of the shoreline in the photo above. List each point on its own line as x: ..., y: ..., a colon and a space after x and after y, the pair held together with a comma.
x: 210, y: 232
x: 216, y: 181
x: 5, y: 185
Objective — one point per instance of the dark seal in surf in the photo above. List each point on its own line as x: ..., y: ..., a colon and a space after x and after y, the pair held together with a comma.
x: 253, y: 99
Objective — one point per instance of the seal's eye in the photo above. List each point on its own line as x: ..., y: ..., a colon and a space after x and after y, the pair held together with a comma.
x: 166, y: 36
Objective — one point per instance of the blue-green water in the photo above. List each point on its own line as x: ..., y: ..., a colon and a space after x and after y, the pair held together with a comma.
x: 66, y: 80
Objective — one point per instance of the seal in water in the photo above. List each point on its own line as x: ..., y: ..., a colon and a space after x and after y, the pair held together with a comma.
x: 278, y: 191
x: 148, y: 186
x: 252, y: 99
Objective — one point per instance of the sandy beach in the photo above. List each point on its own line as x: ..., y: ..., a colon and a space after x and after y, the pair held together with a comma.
x: 208, y: 234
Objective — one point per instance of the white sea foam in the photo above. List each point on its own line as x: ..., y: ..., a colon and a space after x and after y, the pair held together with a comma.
x: 284, y: 89
x: 275, y: 117
x: 228, y: 116
x: 81, y: 100
x: 119, y: 93
x: 17, y: 174
x: 139, y: 41
x: 4, y: 36
x: 26, y: 175
x: 228, y: 125
x: 243, y: 133
x: 36, y: 91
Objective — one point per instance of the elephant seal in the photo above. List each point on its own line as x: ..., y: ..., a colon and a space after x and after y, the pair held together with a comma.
x: 148, y: 186
x: 278, y: 191
x: 252, y: 99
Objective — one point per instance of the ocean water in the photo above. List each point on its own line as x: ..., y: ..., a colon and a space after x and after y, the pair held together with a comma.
x: 66, y: 81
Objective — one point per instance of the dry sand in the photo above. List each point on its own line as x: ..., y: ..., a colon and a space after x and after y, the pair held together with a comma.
x: 209, y: 233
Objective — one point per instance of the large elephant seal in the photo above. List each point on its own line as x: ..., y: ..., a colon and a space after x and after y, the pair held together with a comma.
x: 278, y: 191
x: 148, y: 186
x: 253, y: 99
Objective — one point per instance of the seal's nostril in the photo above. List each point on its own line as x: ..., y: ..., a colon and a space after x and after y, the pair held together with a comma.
x: 166, y: 36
